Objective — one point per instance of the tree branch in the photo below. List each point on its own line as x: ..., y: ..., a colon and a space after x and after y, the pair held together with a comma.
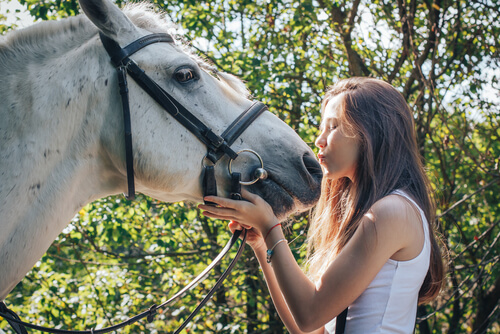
x: 465, y: 198
x: 338, y: 22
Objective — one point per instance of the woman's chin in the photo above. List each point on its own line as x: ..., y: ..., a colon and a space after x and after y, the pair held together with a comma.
x: 336, y: 175
x: 329, y: 175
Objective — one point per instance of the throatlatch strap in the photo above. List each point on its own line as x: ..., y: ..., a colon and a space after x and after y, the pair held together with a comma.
x: 20, y: 329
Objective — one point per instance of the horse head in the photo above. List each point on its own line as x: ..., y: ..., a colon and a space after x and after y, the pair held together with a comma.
x: 167, y: 157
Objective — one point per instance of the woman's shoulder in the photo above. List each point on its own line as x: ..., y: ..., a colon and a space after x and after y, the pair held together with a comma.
x: 389, y: 217
x: 398, y: 216
x: 395, y: 207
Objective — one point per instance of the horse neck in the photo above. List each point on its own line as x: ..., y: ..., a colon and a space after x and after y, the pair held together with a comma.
x: 51, y: 160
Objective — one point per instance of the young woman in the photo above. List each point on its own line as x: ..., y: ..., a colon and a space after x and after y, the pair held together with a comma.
x: 371, y: 247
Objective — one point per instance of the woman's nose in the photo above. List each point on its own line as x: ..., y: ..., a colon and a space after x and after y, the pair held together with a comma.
x: 320, y: 141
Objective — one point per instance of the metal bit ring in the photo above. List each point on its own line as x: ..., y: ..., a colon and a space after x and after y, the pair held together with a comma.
x: 262, y: 174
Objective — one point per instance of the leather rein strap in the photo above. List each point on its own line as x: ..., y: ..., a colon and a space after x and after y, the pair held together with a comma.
x: 217, y: 147
x: 19, y: 326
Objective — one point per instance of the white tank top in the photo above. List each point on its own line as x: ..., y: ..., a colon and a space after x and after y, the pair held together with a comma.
x: 389, y: 303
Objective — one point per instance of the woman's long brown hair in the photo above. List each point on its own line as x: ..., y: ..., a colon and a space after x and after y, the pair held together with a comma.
x: 389, y: 160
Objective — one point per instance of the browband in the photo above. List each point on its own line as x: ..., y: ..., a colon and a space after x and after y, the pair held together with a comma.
x: 119, y: 54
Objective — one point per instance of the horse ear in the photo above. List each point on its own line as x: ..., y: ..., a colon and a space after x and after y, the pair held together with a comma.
x: 109, y: 19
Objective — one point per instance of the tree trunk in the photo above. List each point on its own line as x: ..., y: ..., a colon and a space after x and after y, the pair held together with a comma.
x: 423, y: 325
x: 487, y: 307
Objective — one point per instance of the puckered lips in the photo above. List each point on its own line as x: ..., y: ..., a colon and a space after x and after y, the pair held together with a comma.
x: 321, y: 158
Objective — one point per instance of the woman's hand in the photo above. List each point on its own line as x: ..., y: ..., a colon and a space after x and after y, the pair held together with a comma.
x: 251, y: 212
x: 254, y: 238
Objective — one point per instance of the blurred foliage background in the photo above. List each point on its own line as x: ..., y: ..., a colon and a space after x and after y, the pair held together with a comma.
x: 116, y: 258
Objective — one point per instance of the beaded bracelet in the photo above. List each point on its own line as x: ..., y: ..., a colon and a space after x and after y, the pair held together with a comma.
x: 267, y: 234
x: 270, y: 251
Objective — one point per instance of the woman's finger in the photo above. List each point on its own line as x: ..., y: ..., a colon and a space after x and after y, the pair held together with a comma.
x: 225, y: 202
x: 251, y: 197
x: 218, y: 216
x: 217, y: 212
x: 216, y: 209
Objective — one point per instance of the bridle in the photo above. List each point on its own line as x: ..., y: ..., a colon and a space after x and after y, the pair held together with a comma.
x: 217, y: 147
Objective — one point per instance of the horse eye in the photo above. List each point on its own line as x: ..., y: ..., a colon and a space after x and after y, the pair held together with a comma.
x: 184, y: 74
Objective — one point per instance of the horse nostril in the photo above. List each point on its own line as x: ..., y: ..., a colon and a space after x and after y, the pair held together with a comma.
x: 312, y: 166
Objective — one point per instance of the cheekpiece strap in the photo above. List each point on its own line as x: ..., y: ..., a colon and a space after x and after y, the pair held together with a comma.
x: 209, y: 184
x: 127, y: 123
x: 235, y: 186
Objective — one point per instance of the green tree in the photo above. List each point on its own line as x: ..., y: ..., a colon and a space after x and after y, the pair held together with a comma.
x: 116, y: 257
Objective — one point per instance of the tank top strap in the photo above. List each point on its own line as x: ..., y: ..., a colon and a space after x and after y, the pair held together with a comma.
x: 422, y: 213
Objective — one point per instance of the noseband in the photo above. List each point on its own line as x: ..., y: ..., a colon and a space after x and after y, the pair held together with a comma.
x: 217, y: 147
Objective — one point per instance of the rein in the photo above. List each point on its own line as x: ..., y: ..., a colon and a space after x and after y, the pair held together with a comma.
x: 217, y: 147
x: 19, y: 325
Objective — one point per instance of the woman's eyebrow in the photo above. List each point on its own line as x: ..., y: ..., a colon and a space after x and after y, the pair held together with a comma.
x: 331, y: 119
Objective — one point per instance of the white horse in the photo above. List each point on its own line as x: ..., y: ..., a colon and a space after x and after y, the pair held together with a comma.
x: 61, y: 130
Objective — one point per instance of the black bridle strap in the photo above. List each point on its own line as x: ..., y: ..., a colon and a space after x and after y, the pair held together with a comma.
x: 127, y: 125
x: 236, y: 128
x: 19, y: 325
x: 213, y: 141
x: 119, y: 54
x: 13, y: 319
x: 236, y: 195
x: 217, y: 284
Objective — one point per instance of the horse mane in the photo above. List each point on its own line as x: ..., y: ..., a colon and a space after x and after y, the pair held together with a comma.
x: 43, y: 40
x: 49, y: 39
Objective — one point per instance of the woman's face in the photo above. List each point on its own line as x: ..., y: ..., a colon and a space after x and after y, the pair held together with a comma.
x: 338, y: 151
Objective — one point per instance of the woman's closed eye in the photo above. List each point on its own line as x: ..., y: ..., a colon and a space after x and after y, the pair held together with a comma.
x: 328, y: 128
